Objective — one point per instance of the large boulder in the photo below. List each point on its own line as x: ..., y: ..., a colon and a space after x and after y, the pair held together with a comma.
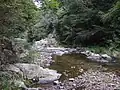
x: 32, y: 72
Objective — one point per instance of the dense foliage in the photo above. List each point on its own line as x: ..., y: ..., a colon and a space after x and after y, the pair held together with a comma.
x: 16, y: 19
x: 73, y: 23
x: 16, y: 16
x: 91, y: 23
x: 82, y: 22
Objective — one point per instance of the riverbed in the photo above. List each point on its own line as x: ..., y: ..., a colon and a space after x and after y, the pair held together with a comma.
x: 73, y: 65
x: 79, y: 73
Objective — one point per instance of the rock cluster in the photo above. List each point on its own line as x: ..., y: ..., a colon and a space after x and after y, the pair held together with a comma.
x: 103, y: 58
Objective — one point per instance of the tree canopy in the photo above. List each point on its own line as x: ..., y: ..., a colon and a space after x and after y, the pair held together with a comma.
x: 16, y: 16
x: 82, y: 22
x: 78, y: 22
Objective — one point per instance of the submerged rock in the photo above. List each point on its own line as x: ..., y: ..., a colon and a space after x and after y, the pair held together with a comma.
x: 31, y: 71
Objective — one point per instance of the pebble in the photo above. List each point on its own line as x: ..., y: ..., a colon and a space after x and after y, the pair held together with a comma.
x: 73, y: 67
x: 80, y: 77
x: 74, y: 85
x: 61, y: 84
x: 56, y: 82
x: 35, y: 79
x: 61, y: 87
x: 47, y: 64
x: 81, y: 70
x: 71, y: 79
x: 73, y: 89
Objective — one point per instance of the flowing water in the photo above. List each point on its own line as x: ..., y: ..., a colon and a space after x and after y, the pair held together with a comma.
x: 73, y: 65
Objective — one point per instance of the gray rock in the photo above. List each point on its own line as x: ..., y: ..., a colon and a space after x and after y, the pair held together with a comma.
x: 71, y: 79
x: 74, y: 85
x: 30, y: 71
x: 56, y: 82
x: 61, y: 87
x: 105, y: 56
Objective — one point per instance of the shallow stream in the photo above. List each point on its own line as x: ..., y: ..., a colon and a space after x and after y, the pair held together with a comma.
x: 73, y: 65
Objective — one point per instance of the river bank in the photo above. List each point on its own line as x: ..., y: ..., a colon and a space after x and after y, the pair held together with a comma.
x: 77, y: 68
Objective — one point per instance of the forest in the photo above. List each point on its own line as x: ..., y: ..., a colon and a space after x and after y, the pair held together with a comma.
x: 90, y: 24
